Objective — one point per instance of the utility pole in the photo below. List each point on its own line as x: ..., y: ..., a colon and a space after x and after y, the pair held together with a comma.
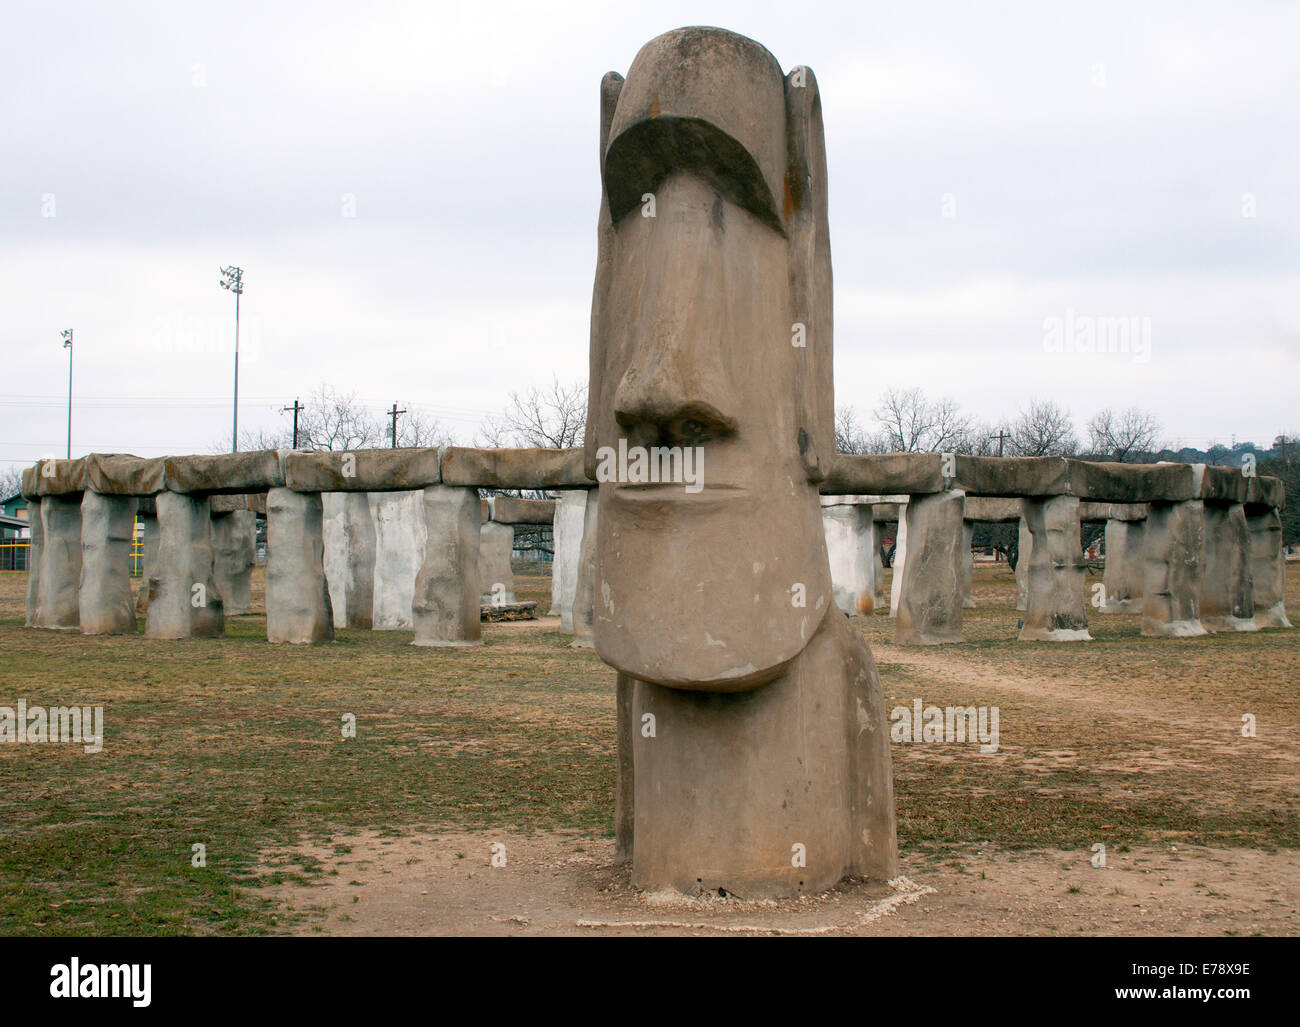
x: 1001, y: 435
x: 67, y: 344
x: 393, y: 413
x: 295, y: 408
x: 233, y: 280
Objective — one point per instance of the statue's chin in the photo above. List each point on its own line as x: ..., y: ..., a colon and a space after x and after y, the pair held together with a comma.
x: 687, y: 675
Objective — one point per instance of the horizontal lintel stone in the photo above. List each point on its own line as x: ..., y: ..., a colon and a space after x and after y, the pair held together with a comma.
x: 909, y: 474
x: 514, y: 468
x: 364, y: 470
x: 254, y: 471
x: 510, y: 510
x: 1011, y: 476
x: 60, y: 477
x: 121, y: 474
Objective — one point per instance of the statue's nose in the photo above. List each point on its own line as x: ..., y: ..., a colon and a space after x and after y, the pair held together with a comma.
x: 674, y: 388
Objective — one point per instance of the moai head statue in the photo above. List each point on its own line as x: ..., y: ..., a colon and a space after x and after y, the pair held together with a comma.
x: 710, y: 343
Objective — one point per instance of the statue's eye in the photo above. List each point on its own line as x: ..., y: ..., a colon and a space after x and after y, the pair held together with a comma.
x: 693, y: 429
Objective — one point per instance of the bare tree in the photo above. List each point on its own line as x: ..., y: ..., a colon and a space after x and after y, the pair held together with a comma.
x: 914, y: 424
x: 551, y: 418
x: 11, y: 482
x: 851, y: 436
x: 1126, y: 437
x: 419, y: 428
x: 335, y: 420
x: 1045, y: 429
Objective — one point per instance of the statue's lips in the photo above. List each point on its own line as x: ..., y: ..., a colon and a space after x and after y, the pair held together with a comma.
x: 676, y: 491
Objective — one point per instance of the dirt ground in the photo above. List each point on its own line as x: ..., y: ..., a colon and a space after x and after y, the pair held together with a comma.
x: 564, y: 884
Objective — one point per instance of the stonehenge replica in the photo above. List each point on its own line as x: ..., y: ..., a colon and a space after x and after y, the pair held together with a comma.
x: 753, y: 747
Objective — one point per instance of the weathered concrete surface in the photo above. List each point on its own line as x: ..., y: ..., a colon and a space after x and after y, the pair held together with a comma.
x: 514, y: 468
x: 363, y: 470
x: 851, y: 548
x: 930, y: 606
x: 60, y: 477
x: 184, y: 601
x: 983, y: 510
x: 60, y: 568
x: 908, y: 474
x: 148, y: 556
x: 899, y: 562
x: 1264, y: 492
x: 254, y: 471
x: 1055, y: 611
x: 350, y: 558
x: 446, y: 605
x: 1025, y: 547
x: 36, y: 544
x: 298, y: 607
x: 234, y: 543
x: 1221, y: 484
x: 1268, y: 567
x: 584, y: 588
x: 769, y: 772
x: 400, y: 536
x: 967, y: 564
x: 1122, y: 578
x: 570, y: 510
x: 104, y: 590
x: 1130, y: 483
x: 120, y: 474
x: 1173, y: 562
x: 234, y: 502
x: 497, y: 580
x: 1011, y: 476
x: 1227, y: 593
x: 511, y: 510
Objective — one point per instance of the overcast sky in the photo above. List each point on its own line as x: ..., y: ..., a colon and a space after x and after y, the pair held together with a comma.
x: 992, y: 166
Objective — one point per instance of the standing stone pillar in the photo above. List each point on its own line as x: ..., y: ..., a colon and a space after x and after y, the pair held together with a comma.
x: 570, y: 510
x: 1174, y: 553
x: 104, y: 592
x: 349, y: 536
x: 967, y: 564
x: 148, y: 558
x: 1057, y: 597
x: 1122, y: 578
x: 298, y: 606
x: 36, y: 544
x: 497, y: 580
x: 234, y: 538
x: 184, y: 601
x: 446, y: 604
x: 850, y: 543
x: 930, y: 609
x: 1227, y: 596
x: 400, y: 538
x: 584, y: 596
x: 1024, y: 549
x: 900, y: 558
x: 60, y: 570
x: 1268, y: 567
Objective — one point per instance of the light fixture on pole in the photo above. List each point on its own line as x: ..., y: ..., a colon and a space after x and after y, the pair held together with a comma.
x: 67, y: 344
x: 232, y: 278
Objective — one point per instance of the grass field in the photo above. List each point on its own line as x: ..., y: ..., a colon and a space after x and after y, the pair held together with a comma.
x: 236, y: 744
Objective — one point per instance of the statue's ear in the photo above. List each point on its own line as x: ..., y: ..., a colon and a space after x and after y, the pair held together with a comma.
x: 600, y: 415
x: 810, y: 270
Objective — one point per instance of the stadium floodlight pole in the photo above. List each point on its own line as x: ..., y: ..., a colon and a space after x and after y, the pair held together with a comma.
x: 233, y: 279
x: 67, y: 344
